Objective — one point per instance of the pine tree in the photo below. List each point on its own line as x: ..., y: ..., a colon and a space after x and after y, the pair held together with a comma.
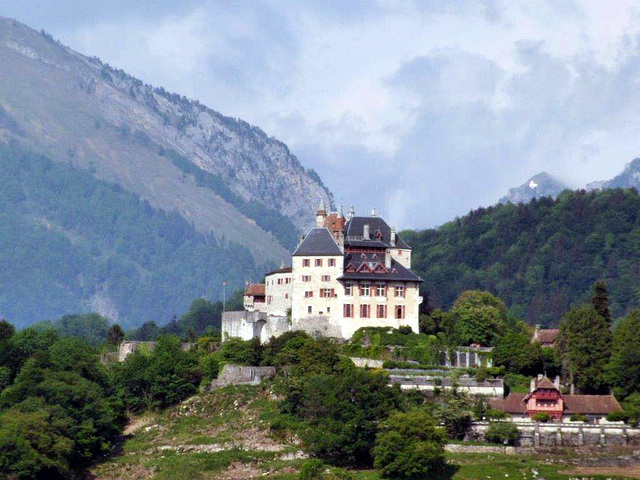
x: 585, y: 347
x: 625, y: 359
x: 600, y: 301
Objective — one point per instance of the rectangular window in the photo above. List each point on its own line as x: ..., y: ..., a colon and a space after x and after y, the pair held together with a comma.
x: 306, y: 278
x: 306, y: 262
x: 381, y: 290
x: 326, y: 278
x: 328, y: 309
x: 365, y: 290
x: 279, y: 281
x: 269, y: 300
x: 286, y: 295
x: 308, y: 294
x: 327, y: 293
x: 348, y: 289
x: 381, y: 311
x: 365, y: 311
x: 400, y: 292
x: 288, y: 281
x: 348, y: 310
x: 399, y: 312
x: 332, y: 262
x: 309, y: 309
x: 318, y: 262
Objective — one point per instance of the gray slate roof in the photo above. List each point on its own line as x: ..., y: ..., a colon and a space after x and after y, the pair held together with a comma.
x: 318, y: 242
x: 355, y: 228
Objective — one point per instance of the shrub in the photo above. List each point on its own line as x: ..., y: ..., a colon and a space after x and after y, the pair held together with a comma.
x: 542, y: 417
x: 618, y: 416
x: 502, y: 432
x: 243, y: 352
x: 311, y: 469
x: 409, y: 446
x: 578, y: 417
x: 210, y: 366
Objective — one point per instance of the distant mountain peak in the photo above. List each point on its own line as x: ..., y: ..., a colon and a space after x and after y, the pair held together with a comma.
x: 540, y: 185
x: 628, y: 178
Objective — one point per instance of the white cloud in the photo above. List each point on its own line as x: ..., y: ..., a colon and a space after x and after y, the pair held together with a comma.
x: 424, y: 109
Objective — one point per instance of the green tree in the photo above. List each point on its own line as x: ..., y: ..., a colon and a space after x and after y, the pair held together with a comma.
x: 624, y: 369
x: 342, y: 412
x: 166, y: 376
x: 478, y: 317
x: 515, y: 352
x: 455, y: 411
x: 202, y: 314
x: 409, y: 446
x: 600, y: 301
x: 585, y: 346
x: 35, y: 441
x: 505, y: 432
x: 115, y: 335
x: 6, y: 330
x: 68, y: 378
x: 91, y: 327
x: 242, y: 352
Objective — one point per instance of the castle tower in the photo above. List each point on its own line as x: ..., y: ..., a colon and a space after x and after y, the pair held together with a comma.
x: 321, y: 214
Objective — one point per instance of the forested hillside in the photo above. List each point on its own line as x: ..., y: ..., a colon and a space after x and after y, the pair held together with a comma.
x: 540, y: 257
x: 71, y: 243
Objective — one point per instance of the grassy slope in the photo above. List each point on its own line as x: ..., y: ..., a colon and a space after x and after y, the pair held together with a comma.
x: 183, y: 442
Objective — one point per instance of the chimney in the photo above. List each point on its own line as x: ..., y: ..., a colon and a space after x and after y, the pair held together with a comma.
x: 572, y: 389
x: 365, y: 232
x: 536, y: 332
x: 387, y: 261
x: 532, y: 386
x: 373, y: 212
x: 352, y: 212
x: 393, y: 236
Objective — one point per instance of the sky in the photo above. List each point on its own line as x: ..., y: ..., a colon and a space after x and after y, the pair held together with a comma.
x: 422, y: 109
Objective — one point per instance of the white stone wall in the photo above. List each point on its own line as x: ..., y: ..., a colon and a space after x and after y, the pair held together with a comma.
x: 320, y: 307
x: 278, y: 296
x: 249, y: 325
x: 411, y: 301
x: 401, y: 255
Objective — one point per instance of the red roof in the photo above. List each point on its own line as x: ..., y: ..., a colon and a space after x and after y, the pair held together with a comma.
x: 585, y: 404
x: 547, y: 336
x: 255, y: 290
x: 334, y: 223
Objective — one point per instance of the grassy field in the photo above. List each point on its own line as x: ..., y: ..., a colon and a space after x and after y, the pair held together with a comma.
x: 225, y: 435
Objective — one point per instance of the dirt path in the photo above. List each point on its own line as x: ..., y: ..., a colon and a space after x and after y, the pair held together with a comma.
x: 631, y: 472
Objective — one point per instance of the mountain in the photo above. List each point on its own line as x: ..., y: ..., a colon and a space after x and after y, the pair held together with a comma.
x: 540, y: 185
x: 629, y: 178
x: 541, y: 257
x: 155, y: 144
x: 128, y: 200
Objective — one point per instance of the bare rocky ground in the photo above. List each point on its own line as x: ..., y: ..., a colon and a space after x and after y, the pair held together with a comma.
x: 222, y: 434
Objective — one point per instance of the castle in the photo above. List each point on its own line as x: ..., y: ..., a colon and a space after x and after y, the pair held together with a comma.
x: 346, y: 273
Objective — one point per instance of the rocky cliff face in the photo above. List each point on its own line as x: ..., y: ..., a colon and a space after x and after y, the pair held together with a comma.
x: 540, y: 185
x: 222, y: 174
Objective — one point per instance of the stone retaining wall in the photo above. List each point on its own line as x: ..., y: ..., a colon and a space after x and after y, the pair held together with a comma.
x: 242, y: 375
x: 566, y: 435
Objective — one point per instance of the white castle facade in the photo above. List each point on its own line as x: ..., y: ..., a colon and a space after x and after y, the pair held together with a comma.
x: 345, y: 274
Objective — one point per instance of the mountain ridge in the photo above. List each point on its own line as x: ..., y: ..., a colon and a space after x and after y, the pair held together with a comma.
x: 104, y: 120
